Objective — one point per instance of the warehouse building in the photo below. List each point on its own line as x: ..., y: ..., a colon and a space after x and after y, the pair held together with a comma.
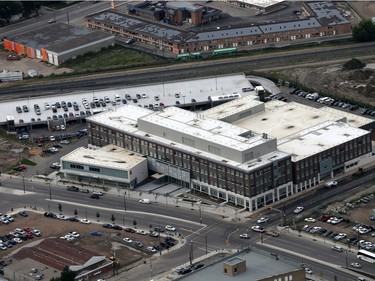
x: 58, y: 43
x: 250, y: 265
x: 48, y: 259
x: 318, y: 20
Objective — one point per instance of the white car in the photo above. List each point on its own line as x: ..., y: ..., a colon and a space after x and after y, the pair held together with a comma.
x: 151, y: 249
x: 142, y: 232
x: 170, y: 228
x: 262, y: 220
x: 145, y: 201
x: 64, y: 142
x: 74, y: 234
x: 17, y: 240
x: 331, y: 184
x: 244, y: 236
x: 85, y: 221
x: 98, y: 193
x: 308, y: 270
x: 52, y: 138
x: 356, y: 264
x: 310, y: 220
x: 127, y: 240
x: 62, y: 127
x: 337, y: 248
x: 298, y: 210
x: 257, y: 228
x: 62, y: 217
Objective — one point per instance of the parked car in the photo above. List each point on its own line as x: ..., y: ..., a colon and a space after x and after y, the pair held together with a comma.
x: 170, y: 228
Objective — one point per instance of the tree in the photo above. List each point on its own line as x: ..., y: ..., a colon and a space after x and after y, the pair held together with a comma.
x: 97, y: 215
x: 76, y: 212
x: 364, y: 31
x: 113, y: 218
x: 67, y: 275
x: 135, y: 223
x: 60, y: 208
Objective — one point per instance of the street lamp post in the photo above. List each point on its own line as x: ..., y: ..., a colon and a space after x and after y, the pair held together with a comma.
x: 23, y: 183
x: 125, y: 201
x: 191, y: 252
x: 50, y: 192
x: 346, y: 258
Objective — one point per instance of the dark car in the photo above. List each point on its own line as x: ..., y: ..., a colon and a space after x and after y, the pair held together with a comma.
x: 138, y: 244
x: 74, y: 219
x: 94, y: 196
x: 159, y: 229
x: 23, y: 213
x: 107, y: 225
x: 49, y: 215
x: 128, y: 229
x: 72, y: 188
x: 197, y: 266
x: 116, y: 226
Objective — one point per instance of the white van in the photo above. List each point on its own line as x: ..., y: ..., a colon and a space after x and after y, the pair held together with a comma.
x: 361, y: 279
x: 145, y: 201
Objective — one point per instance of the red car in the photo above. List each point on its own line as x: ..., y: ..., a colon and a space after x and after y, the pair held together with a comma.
x: 29, y: 236
x: 13, y: 57
x: 28, y: 229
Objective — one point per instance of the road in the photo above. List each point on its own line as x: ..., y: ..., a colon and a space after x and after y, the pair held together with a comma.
x: 214, y: 234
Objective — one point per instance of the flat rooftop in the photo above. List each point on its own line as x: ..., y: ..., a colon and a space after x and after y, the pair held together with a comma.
x: 259, y: 265
x: 109, y: 156
x: 236, y: 106
x: 59, y: 37
x: 318, y: 138
x: 262, y: 3
x: 326, y: 12
x: 126, y: 119
x: 281, y: 119
x: 25, y: 265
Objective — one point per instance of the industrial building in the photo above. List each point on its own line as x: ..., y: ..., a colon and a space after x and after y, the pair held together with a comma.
x: 250, y: 265
x: 48, y: 259
x: 245, y: 151
x: 58, y: 43
x: 317, y: 20
x: 111, y: 164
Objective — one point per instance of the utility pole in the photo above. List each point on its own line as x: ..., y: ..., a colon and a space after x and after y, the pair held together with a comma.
x: 282, y: 214
x: 50, y: 192
x: 125, y: 201
x: 23, y: 182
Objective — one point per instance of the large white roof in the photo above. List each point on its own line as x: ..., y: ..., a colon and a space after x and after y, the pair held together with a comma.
x: 125, y: 119
x: 109, y: 156
x: 281, y: 119
x: 318, y: 138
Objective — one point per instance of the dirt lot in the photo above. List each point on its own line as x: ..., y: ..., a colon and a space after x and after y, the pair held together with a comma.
x: 108, y: 244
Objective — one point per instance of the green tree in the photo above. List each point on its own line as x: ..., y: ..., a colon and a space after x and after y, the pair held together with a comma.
x: 364, y: 31
x: 135, y: 223
x: 76, y: 212
x: 113, y: 218
x: 97, y: 215
x: 60, y: 208
x: 67, y: 275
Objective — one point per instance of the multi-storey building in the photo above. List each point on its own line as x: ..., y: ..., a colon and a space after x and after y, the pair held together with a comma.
x: 245, y: 152
x: 318, y: 20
